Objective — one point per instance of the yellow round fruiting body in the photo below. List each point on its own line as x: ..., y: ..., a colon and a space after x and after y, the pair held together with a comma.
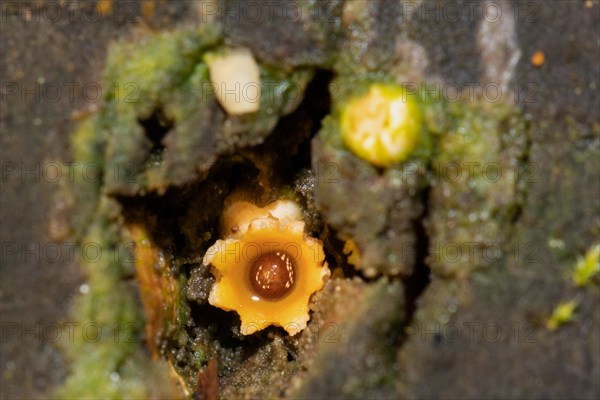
x: 266, y: 268
x: 382, y: 126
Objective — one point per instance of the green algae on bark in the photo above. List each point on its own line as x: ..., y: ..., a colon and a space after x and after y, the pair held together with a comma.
x: 386, y: 203
x: 163, y: 76
x: 173, y: 94
x: 469, y: 165
x: 105, y: 348
x: 156, y: 82
x: 476, y: 182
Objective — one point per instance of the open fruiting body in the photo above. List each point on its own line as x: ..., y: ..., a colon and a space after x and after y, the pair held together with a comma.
x: 267, y: 268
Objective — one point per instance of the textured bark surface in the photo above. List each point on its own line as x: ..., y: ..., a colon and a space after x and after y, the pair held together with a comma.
x: 431, y: 326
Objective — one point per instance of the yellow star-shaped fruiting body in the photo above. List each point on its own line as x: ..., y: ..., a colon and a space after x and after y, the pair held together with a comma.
x: 267, y: 268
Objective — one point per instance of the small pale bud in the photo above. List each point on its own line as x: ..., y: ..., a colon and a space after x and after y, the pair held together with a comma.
x: 235, y: 77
